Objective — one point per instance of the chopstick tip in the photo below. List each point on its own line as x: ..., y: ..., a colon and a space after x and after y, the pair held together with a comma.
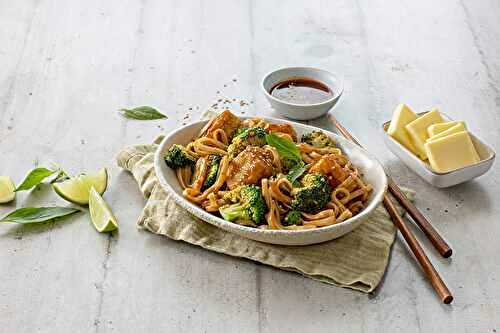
x: 447, y: 253
x: 448, y: 299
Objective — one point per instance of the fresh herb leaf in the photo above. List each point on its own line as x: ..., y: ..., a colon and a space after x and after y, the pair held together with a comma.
x: 38, y: 214
x: 35, y: 177
x: 295, y: 173
x: 142, y: 113
x: 285, y: 148
x: 290, y: 156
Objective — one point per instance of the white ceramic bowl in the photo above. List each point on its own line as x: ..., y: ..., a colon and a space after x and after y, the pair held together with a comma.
x: 447, y: 179
x: 300, y: 111
x: 370, y: 167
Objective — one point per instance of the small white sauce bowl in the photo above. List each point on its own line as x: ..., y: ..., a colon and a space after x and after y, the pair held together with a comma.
x: 302, y: 111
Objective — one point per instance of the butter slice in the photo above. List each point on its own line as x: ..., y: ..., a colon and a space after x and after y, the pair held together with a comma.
x: 438, y: 128
x: 417, y: 130
x: 402, y: 116
x: 451, y: 152
x: 454, y: 129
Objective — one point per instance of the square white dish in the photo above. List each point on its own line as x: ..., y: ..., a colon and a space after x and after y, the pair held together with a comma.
x: 447, y: 179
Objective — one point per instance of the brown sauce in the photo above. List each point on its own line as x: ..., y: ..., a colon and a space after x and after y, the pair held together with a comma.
x: 301, y: 90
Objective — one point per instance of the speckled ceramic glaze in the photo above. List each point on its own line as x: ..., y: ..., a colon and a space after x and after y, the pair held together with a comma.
x: 370, y: 167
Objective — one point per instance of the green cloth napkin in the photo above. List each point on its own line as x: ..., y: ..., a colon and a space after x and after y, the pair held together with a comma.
x: 357, y: 260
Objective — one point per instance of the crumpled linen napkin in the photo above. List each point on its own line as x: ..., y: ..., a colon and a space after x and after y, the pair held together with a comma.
x: 357, y: 260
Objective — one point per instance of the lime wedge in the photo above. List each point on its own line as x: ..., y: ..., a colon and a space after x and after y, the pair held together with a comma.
x: 101, y: 215
x: 7, y: 188
x: 76, y: 189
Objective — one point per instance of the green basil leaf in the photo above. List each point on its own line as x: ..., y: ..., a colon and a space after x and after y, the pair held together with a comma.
x: 295, y: 173
x: 38, y: 214
x: 35, y: 177
x: 142, y: 113
x: 285, y: 147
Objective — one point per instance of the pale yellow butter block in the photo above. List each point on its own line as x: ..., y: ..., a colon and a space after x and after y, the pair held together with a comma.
x: 454, y: 129
x: 451, y: 152
x: 402, y: 116
x: 417, y: 130
x: 438, y: 128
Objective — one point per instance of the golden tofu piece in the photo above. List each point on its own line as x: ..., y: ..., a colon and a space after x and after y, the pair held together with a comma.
x: 250, y: 166
x: 226, y: 121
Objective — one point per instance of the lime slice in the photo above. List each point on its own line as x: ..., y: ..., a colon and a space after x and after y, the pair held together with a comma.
x: 77, y: 189
x: 7, y: 188
x: 100, y: 213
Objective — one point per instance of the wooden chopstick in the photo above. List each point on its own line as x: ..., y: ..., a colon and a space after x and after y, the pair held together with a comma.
x: 434, y: 237
x: 432, y: 234
x: 433, y: 276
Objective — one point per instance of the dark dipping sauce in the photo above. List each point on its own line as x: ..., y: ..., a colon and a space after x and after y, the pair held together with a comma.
x: 301, y: 90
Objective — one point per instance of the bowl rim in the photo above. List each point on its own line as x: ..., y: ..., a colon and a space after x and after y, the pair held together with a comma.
x: 335, y: 97
x: 186, y: 204
x: 427, y: 167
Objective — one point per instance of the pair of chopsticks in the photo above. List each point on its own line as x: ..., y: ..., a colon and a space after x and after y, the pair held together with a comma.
x: 439, y: 243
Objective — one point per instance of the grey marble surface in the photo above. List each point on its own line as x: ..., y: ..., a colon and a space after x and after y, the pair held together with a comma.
x: 67, y: 66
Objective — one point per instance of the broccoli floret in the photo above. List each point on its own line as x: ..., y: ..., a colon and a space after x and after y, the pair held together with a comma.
x: 250, y: 132
x: 293, y: 218
x: 247, y: 204
x: 314, y: 179
x: 240, y: 130
x: 318, y: 139
x: 288, y: 164
x: 253, y: 136
x: 314, y: 194
x: 178, y: 157
x: 214, y: 161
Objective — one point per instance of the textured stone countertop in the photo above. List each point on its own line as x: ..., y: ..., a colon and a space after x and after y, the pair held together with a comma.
x: 67, y: 66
